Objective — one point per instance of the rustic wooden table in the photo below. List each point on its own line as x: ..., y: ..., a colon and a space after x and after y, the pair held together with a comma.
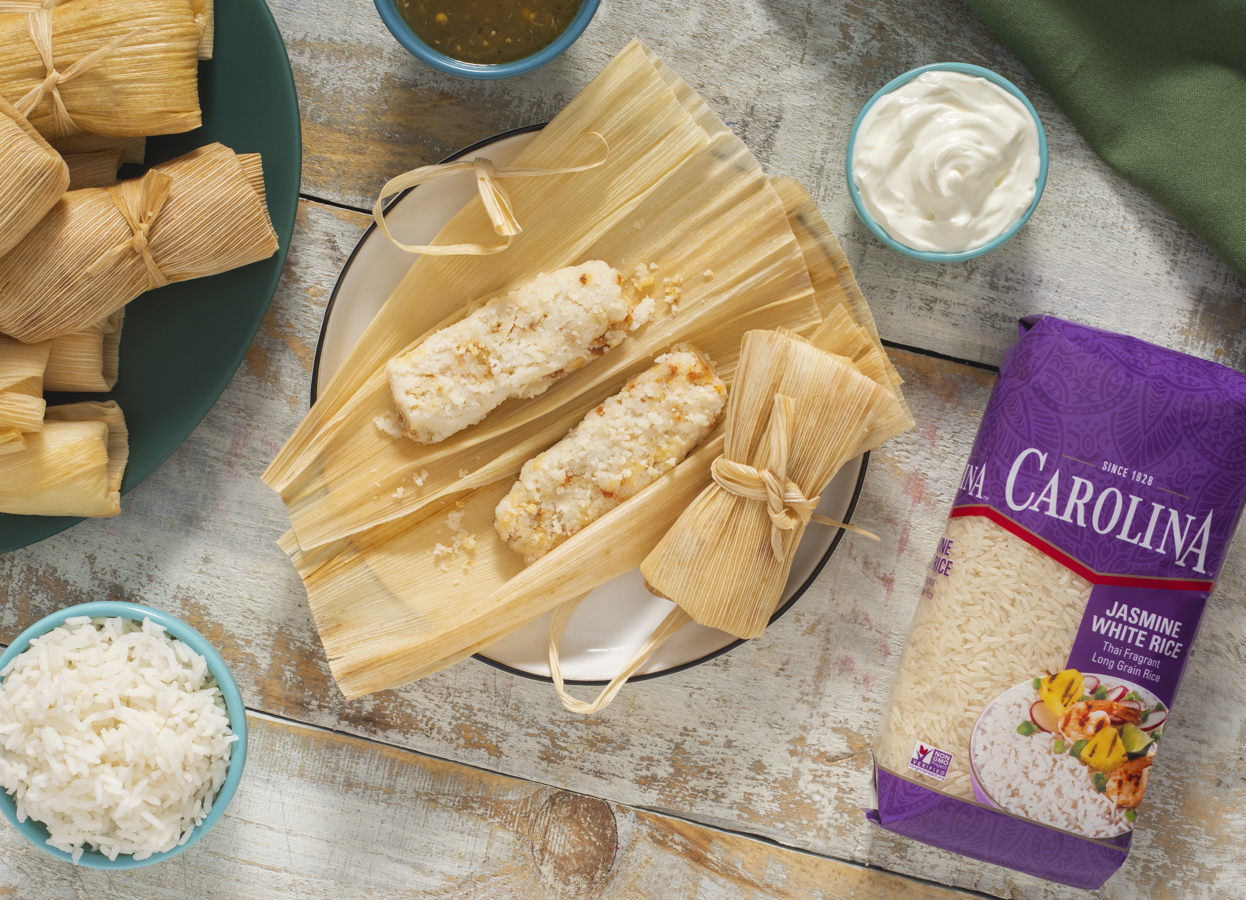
x: 740, y: 778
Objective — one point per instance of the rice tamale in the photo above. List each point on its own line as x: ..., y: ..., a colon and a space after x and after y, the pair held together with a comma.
x: 86, y: 360
x: 71, y: 468
x: 123, y: 67
x: 99, y: 248
x: 21, y: 391
x: 32, y: 177
x: 621, y: 447
x: 797, y: 414
x: 516, y: 345
x: 93, y: 170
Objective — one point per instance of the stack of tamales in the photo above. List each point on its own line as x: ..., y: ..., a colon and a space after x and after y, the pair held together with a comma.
x: 395, y: 540
x: 82, y: 83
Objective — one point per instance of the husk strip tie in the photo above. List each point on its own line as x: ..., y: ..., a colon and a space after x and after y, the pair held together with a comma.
x: 497, y: 202
x: 40, y: 24
x: 146, y: 195
x: 786, y: 504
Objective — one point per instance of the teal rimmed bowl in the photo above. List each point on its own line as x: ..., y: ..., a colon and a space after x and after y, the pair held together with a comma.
x: 34, y: 831
x: 399, y: 28
x: 931, y: 255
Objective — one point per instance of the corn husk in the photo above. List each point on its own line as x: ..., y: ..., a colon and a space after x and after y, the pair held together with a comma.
x: 32, y: 177
x: 72, y: 468
x: 708, y: 209
x: 93, y: 170
x: 127, y: 67
x: 205, y: 21
x: 131, y: 149
x: 799, y: 413
x: 21, y: 391
x: 202, y: 214
x: 86, y: 360
x: 676, y: 190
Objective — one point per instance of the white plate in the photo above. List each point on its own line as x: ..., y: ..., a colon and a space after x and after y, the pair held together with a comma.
x: 614, y: 620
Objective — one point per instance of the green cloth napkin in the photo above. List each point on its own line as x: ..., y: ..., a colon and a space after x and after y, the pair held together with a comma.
x: 1157, y: 88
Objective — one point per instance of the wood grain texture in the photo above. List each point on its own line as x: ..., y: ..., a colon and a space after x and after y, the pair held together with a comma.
x: 771, y: 739
x: 790, y: 76
x: 322, y: 815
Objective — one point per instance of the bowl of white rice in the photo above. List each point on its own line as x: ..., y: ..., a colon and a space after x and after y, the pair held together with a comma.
x: 122, y: 735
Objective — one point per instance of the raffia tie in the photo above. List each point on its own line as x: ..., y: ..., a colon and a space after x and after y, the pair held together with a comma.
x: 40, y: 24
x: 139, y: 202
x: 497, y: 202
x: 786, y: 504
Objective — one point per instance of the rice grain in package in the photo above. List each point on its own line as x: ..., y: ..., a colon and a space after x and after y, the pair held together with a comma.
x: 1060, y: 605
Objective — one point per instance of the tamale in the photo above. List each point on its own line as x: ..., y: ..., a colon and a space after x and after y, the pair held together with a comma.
x: 617, y: 450
x: 197, y: 215
x: 796, y: 415
x: 71, y: 468
x: 93, y: 170
x: 125, y: 67
x: 516, y: 345
x: 86, y: 360
x: 21, y: 391
x: 132, y: 149
x: 32, y: 177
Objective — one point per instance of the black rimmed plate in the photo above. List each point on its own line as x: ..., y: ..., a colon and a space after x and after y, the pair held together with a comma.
x: 616, y: 618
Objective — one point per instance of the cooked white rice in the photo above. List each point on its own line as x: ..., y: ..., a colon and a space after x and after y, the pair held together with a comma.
x: 1005, y: 613
x: 1024, y: 776
x: 113, y: 735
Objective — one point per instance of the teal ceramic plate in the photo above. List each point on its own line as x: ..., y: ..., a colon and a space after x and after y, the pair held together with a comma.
x: 181, y: 344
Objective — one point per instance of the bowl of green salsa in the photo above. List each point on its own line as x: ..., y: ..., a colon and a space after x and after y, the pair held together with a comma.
x: 486, y: 38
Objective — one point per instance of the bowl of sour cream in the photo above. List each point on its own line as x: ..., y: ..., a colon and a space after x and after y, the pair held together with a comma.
x: 947, y: 162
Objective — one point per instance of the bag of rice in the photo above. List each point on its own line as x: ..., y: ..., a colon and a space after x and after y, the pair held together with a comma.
x: 1103, y: 489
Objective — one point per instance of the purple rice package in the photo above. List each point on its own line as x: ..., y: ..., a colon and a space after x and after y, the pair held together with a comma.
x: 1061, y: 603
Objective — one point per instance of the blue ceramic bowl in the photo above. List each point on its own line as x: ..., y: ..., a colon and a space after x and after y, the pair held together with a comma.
x: 35, y: 832
x: 930, y: 255
x: 399, y: 28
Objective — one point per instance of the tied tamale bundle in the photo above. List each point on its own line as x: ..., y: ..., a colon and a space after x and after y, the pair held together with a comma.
x: 203, y: 10
x: 93, y: 170
x: 86, y: 360
x: 71, y: 468
x: 22, y: 369
x: 796, y: 415
x: 98, y: 249
x: 32, y: 177
x: 111, y: 67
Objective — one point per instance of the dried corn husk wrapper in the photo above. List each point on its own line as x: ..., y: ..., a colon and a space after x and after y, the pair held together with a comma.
x: 112, y: 67
x: 98, y: 249
x: 368, y: 511
x: 93, y: 170
x: 86, y: 360
x: 21, y: 391
x: 32, y: 177
x: 131, y: 149
x: 796, y: 415
x: 71, y: 468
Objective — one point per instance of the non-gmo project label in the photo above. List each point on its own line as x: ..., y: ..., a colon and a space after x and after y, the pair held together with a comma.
x: 930, y: 761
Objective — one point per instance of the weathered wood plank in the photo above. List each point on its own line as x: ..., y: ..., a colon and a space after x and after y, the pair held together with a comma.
x: 319, y: 813
x: 771, y: 739
x: 790, y: 77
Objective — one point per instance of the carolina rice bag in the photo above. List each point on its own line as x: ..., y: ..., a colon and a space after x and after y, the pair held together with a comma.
x: 1102, y: 491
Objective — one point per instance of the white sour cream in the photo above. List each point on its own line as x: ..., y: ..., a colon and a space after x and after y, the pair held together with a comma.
x: 947, y: 162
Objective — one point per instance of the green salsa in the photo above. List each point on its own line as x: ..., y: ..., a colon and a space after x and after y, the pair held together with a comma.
x: 488, y: 31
